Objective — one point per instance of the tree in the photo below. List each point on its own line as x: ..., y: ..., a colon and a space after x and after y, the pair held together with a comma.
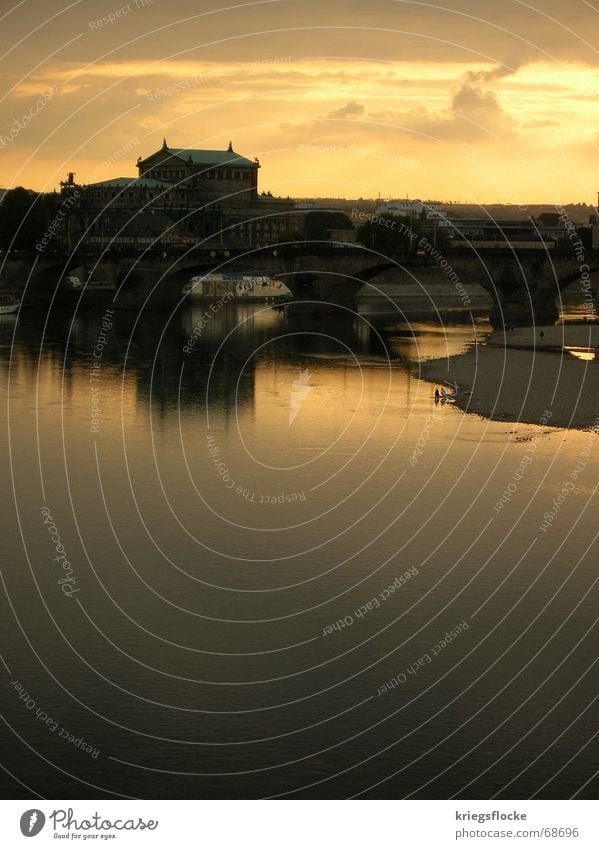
x: 388, y: 234
x: 24, y: 218
x: 318, y: 224
x: 391, y: 233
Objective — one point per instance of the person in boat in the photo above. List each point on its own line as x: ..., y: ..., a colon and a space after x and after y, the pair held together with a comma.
x: 437, y: 394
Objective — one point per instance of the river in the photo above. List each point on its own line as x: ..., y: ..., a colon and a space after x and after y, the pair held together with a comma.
x: 247, y: 555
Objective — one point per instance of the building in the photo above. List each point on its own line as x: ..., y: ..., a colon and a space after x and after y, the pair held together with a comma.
x: 547, y: 229
x: 204, y: 197
x: 428, y: 209
x: 203, y: 175
x: 485, y: 232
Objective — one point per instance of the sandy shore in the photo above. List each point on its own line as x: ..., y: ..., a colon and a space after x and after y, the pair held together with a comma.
x: 517, y: 377
x: 554, y: 337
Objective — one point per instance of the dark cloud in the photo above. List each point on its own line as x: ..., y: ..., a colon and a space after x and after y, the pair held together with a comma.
x: 497, y: 73
x: 477, y: 105
x: 460, y: 30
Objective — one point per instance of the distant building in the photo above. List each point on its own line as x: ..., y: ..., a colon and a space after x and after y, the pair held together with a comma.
x: 550, y: 225
x: 203, y: 175
x: 492, y: 230
x: 411, y: 209
x: 205, y: 197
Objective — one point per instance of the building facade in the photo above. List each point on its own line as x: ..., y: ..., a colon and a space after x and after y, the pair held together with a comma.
x: 180, y: 198
x: 204, y: 174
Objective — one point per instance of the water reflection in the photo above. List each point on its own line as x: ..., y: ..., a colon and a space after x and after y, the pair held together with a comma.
x: 586, y: 354
x: 172, y: 357
x: 577, y: 306
x: 215, y: 537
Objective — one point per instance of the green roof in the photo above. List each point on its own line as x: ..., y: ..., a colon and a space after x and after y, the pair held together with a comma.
x: 209, y: 157
x: 131, y: 182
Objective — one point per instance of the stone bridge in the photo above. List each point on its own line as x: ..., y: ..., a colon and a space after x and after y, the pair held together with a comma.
x: 524, y: 282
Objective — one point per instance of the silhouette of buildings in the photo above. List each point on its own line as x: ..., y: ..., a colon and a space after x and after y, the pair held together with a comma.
x: 181, y: 197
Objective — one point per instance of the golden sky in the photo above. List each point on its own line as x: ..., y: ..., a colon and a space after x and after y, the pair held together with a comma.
x: 473, y: 101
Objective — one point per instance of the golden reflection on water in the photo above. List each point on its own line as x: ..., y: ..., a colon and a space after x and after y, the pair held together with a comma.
x: 421, y: 341
x: 586, y: 354
x: 202, y: 580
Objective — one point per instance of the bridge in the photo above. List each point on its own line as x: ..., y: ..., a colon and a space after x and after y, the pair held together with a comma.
x: 523, y: 281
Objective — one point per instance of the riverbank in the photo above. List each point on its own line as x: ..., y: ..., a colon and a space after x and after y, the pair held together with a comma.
x: 518, y: 376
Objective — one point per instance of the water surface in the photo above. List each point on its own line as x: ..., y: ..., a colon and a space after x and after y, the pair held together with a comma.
x: 271, y: 530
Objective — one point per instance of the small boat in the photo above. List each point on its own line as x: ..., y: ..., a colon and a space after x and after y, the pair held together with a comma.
x: 235, y: 287
x: 75, y: 284
x: 72, y: 282
x: 9, y: 304
x: 450, y: 396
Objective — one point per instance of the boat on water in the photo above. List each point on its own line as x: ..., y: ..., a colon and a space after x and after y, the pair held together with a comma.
x: 236, y: 287
x: 76, y: 284
x: 280, y: 305
x: 450, y: 396
x: 9, y: 304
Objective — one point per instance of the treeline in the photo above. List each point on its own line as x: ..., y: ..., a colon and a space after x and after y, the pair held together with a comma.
x: 389, y: 233
x: 24, y: 218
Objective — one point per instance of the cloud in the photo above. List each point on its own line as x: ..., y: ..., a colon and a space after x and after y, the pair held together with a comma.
x: 350, y: 110
x: 481, y: 107
x: 497, y: 73
x: 471, y: 113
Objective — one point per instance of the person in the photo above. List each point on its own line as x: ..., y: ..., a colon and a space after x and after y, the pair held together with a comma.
x: 437, y: 394
x: 542, y: 335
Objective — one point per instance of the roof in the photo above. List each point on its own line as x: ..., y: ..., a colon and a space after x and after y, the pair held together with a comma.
x: 131, y: 182
x: 550, y: 219
x: 504, y: 223
x: 208, y: 157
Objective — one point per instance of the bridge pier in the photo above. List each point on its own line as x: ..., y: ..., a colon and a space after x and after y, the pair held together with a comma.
x: 322, y: 292
x: 522, y: 291
x: 523, y: 315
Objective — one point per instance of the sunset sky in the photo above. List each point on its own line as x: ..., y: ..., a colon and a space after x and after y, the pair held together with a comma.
x: 476, y: 101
